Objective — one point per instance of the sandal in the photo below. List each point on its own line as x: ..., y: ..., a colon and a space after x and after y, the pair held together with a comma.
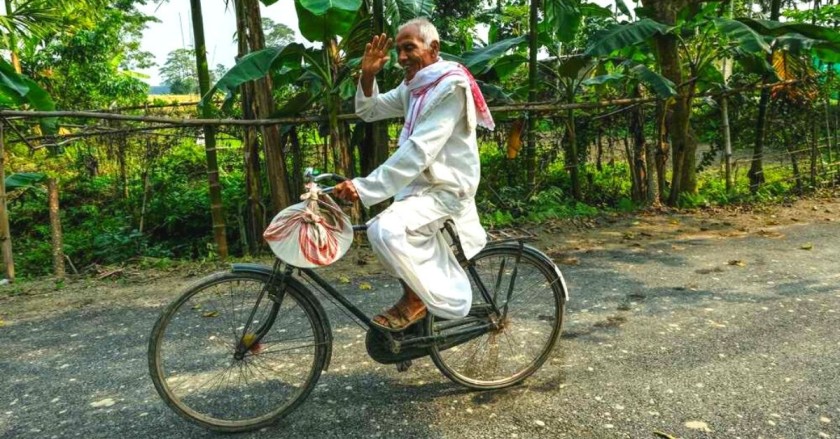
x: 397, y: 319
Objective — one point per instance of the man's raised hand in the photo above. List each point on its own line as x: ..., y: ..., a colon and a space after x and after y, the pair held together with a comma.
x: 376, y: 55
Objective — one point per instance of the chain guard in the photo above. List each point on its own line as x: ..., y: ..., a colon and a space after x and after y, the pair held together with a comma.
x: 379, y: 346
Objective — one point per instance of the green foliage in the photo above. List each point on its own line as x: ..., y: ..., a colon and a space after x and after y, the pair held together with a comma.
x: 19, y: 91
x: 179, y: 72
x: 320, y: 20
x: 276, y: 34
x: 91, y: 67
x: 23, y: 180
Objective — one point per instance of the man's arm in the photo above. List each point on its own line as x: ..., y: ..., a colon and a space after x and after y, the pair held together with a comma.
x: 416, y: 153
x: 379, y: 106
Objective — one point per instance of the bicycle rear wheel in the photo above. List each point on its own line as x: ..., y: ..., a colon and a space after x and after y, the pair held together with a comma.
x: 193, y: 361
x: 533, y: 295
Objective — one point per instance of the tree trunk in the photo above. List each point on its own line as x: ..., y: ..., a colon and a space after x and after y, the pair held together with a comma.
x: 756, y: 172
x: 797, y: 176
x: 727, y: 140
x: 216, y: 207
x: 637, y: 168
x: 815, y: 157
x: 662, y: 150
x: 255, y: 216
x: 572, y: 155
x: 599, y: 150
x: 5, y: 235
x: 55, y: 229
x: 533, y: 48
x: 683, y: 143
x: 263, y: 102
x: 146, y: 183
x: 12, y: 39
x: 121, y: 152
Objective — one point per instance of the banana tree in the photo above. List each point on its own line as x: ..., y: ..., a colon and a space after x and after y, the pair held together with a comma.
x: 629, y: 71
x: 690, y: 39
x: 324, y: 76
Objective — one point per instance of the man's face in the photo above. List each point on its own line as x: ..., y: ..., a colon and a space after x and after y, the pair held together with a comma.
x: 413, y: 54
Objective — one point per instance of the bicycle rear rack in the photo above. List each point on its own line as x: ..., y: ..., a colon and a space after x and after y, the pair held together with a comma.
x: 510, y: 234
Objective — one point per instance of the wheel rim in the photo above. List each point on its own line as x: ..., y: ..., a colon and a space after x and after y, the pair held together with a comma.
x: 523, y: 339
x: 195, y: 355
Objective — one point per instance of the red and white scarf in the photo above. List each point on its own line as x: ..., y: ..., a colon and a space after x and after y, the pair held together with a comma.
x: 423, y: 92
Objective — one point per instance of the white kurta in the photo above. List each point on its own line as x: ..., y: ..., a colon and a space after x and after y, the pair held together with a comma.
x: 433, y: 176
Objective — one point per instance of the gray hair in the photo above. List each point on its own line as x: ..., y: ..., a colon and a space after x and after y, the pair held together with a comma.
x: 425, y: 28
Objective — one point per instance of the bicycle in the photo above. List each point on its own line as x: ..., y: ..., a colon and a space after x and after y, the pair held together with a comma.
x: 241, y: 349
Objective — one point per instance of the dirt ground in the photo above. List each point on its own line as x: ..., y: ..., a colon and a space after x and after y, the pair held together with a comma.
x: 149, y: 284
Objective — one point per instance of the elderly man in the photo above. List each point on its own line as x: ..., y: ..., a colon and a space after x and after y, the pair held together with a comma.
x: 433, y: 175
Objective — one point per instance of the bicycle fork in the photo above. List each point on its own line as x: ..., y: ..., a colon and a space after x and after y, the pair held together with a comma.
x: 276, y: 292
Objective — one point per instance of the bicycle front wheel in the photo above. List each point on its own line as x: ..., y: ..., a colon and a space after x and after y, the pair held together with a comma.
x: 209, y: 364
x: 530, y: 298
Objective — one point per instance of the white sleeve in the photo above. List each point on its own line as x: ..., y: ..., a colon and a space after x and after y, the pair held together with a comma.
x: 416, y: 153
x: 379, y: 106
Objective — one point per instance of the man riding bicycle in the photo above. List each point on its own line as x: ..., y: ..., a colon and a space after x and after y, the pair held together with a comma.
x: 433, y: 175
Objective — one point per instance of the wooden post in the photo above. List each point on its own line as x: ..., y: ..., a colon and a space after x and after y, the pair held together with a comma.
x: 727, y: 140
x: 5, y: 235
x: 55, y: 229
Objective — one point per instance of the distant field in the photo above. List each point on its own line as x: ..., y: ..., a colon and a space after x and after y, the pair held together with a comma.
x: 173, y: 98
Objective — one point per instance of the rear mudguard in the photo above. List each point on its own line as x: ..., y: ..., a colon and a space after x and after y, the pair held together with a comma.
x: 265, y: 271
x: 542, y: 256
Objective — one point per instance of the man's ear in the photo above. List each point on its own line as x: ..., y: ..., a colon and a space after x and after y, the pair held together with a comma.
x: 435, y: 47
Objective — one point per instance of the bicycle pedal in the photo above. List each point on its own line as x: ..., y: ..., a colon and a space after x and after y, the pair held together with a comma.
x: 403, y: 366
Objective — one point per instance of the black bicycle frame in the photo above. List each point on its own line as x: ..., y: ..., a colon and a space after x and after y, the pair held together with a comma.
x: 472, y: 325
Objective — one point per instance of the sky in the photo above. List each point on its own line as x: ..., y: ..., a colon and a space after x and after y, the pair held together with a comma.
x: 175, y: 30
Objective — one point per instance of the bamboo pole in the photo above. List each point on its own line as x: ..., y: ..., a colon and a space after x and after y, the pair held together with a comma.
x: 55, y: 229
x: 5, y: 235
x: 526, y: 106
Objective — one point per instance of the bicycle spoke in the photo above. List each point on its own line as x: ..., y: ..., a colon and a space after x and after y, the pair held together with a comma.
x: 521, y: 344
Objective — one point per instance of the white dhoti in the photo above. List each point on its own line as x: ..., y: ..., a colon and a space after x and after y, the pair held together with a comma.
x: 406, y: 237
x: 433, y: 176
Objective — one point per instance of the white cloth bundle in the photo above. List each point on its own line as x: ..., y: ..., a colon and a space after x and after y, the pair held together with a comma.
x: 313, y: 233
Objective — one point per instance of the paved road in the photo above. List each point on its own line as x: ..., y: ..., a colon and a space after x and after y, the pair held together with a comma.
x: 666, y: 336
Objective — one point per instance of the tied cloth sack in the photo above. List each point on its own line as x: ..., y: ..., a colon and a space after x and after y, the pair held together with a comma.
x: 310, y: 234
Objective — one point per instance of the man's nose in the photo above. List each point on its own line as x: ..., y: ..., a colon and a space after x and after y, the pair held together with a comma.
x: 401, y: 57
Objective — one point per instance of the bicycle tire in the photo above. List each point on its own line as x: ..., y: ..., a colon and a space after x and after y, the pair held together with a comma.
x: 499, y: 358
x: 195, y: 337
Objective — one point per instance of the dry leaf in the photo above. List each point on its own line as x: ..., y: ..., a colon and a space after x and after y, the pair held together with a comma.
x: 344, y: 279
x: 365, y: 286
x: 2, y: 323
x: 663, y: 435
x: 514, y: 140
x: 737, y: 262
x: 807, y: 246
x: 211, y: 314
x: 698, y: 425
x: 569, y: 261
x: 197, y: 306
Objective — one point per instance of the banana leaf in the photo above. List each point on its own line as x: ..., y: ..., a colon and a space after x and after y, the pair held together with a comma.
x: 320, y: 20
x: 623, y: 35
x: 18, y: 90
x: 23, y: 180
x: 747, y: 38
